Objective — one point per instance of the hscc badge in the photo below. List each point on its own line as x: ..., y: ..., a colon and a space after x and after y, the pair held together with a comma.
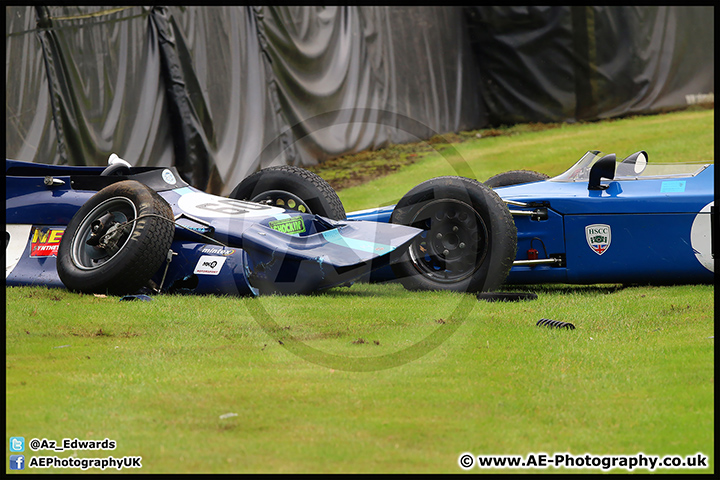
x: 598, y: 237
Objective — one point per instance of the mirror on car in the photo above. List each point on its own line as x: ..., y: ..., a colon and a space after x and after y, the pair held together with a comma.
x: 632, y: 165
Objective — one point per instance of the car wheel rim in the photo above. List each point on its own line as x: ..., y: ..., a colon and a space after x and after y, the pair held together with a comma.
x: 88, y: 257
x: 453, y: 244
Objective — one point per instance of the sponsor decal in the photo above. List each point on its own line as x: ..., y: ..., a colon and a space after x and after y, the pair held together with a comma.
x: 199, y: 229
x: 598, y: 237
x: 202, y: 204
x: 168, y: 176
x: 209, y: 265
x: 218, y: 251
x: 45, y: 242
x: 292, y: 225
x: 673, y: 186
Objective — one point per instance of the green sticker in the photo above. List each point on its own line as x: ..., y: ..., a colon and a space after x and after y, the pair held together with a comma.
x: 290, y: 225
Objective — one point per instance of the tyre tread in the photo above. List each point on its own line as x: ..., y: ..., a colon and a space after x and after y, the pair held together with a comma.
x: 132, y: 268
x: 336, y: 211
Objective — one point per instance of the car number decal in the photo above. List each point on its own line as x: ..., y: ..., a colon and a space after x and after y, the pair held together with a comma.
x: 17, y: 238
x: 209, y: 265
x: 206, y: 205
x: 598, y: 237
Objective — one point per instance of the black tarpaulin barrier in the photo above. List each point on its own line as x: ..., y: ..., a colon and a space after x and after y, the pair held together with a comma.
x: 346, y: 75
x: 30, y: 133
x: 651, y: 59
x: 526, y: 63
x: 222, y: 91
x: 236, y: 82
x: 564, y: 64
x: 190, y: 122
x: 103, y: 88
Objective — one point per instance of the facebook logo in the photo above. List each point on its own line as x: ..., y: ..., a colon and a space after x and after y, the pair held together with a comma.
x: 17, y: 462
x: 17, y: 444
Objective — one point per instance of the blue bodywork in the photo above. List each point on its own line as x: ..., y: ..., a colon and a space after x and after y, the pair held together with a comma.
x: 221, y: 245
x: 649, y: 224
x: 658, y: 224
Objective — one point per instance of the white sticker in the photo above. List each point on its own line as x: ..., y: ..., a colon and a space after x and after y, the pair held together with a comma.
x: 700, y: 234
x: 208, y: 265
x: 168, y: 176
x: 205, y: 205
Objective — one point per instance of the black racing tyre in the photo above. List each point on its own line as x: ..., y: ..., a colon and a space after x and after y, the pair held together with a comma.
x: 293, y: 188
x: 98, y: 255
x: 469, y: 240
x: 515, y: 177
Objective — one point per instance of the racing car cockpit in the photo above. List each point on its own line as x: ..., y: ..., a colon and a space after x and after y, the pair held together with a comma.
x: 594, y: 165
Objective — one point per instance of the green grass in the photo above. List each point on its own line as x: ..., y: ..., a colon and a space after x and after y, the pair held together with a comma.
x: 373, y: 378
x: 636, y: 375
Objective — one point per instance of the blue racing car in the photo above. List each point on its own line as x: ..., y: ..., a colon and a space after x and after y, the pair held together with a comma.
x: 121, y: 229
x: 601, y: 221
x: 284, y: 230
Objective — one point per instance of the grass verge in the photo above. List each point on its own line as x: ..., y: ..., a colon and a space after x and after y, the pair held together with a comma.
x: 373, y: 378
x: 197, y: 385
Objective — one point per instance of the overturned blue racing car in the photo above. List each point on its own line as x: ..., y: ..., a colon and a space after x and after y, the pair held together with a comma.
x: 284, y: 230
x: 121, y: 229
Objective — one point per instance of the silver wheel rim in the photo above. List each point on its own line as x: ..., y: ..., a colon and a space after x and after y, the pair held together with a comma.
x: 87, y: 257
